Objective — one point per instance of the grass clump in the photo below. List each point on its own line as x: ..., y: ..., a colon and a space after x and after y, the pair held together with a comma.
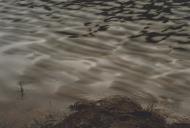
x: 113, y: 112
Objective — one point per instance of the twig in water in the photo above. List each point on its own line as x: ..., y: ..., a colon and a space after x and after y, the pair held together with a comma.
x: 21, y: 89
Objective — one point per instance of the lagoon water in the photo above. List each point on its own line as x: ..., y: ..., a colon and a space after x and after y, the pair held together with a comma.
x: 55, y: 52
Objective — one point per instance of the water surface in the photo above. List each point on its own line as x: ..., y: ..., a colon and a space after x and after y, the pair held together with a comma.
x: 54, y: 52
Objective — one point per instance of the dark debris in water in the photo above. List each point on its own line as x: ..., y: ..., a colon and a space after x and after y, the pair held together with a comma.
x: 113, y: 112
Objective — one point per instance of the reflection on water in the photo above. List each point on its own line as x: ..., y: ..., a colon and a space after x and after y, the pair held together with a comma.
x: 53, y: 52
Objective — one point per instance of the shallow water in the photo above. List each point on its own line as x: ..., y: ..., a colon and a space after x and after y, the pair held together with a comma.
x: 54, y: 52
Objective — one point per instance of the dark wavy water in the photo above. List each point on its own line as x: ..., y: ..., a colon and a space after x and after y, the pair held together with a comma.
x: 54, y: 52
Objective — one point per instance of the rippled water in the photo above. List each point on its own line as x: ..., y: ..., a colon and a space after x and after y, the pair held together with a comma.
x: 54, y: 52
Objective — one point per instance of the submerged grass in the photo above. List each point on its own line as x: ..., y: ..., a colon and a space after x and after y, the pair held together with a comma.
x: 112, y: 112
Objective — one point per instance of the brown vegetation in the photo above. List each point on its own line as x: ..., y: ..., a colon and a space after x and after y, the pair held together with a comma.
x: 113, y: 112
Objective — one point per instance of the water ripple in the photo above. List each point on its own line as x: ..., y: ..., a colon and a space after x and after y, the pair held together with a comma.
x: 65, y: 50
